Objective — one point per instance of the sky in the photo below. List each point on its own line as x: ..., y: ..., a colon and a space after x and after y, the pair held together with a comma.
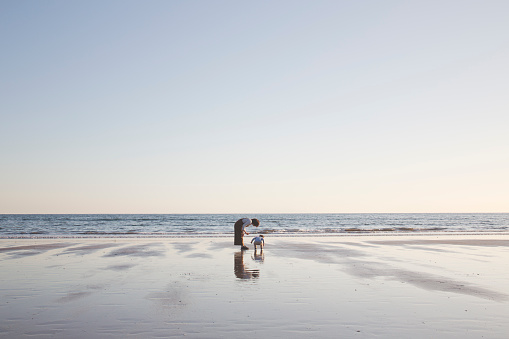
x: 254, y: 106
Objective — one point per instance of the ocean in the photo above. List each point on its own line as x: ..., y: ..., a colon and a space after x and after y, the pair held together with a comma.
x: 140, y: 225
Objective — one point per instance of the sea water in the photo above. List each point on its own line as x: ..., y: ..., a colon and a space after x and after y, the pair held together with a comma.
x: 41, y: 225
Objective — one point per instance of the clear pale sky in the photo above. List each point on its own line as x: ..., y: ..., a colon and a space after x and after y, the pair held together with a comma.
x: 254, y: 106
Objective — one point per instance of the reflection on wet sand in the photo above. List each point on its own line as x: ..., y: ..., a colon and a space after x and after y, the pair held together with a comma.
x: 258, y: 256
x: 241, y: 272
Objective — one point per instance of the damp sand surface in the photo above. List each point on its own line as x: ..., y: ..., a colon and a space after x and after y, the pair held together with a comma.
x: 419, y: 286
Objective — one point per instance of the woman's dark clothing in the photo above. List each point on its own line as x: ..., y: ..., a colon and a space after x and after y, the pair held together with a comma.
x: 239, y: 233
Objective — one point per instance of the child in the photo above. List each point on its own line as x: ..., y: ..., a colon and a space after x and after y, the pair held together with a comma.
x: 259, y: 240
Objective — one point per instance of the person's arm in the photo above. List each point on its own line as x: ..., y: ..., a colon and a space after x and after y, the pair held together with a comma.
x: 246, y: 223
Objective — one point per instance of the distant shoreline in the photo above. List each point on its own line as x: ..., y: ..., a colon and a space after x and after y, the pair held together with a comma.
x: 272, y: 235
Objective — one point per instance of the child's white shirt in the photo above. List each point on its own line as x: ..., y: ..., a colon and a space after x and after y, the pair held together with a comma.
x: 258, y: 240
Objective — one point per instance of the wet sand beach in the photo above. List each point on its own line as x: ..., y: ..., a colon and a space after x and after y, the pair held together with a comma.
x: 356, y: 286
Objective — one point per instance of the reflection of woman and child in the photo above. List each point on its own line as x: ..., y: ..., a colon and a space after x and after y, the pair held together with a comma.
x: 239, y: 267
